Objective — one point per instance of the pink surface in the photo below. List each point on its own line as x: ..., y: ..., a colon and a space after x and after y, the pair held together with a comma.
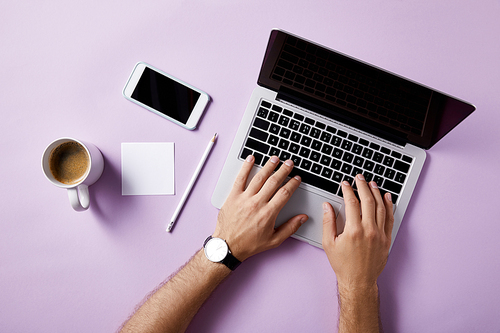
x: 63, y: 67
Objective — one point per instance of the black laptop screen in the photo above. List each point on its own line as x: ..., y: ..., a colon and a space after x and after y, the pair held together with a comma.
x: 357, y: 93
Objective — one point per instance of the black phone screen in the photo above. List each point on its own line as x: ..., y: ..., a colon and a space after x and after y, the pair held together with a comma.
x: 165, y: 95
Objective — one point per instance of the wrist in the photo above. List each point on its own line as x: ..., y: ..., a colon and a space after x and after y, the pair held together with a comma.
x: 353, y: 291
x: 233, y: 244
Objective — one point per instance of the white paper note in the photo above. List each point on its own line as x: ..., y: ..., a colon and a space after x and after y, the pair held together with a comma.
x: 148, y: 168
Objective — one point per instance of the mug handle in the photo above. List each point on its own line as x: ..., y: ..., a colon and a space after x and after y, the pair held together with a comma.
x: 79, y: 201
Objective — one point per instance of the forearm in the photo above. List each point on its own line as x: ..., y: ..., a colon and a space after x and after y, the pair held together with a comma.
x: 359, y: 310
x: 172, y: 307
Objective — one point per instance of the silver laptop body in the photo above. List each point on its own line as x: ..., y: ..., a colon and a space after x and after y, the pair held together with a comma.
x: 336, y: 116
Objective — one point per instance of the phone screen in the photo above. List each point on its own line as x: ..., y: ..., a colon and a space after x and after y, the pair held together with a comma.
x: 165, y: 95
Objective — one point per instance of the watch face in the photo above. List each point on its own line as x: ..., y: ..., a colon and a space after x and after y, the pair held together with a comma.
x: 216, y: 249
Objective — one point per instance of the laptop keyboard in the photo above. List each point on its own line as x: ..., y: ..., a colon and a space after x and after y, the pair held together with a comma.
x: 323, y: 155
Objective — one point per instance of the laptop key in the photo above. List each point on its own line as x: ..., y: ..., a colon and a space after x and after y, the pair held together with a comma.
x: 326, y: 160
x: 379, y: 170
x: 304, y: 165
x: 245, y: 153
x: 400, y: 178
x: 327, y: 149
x: 336, y: 141
x: 326, y: 137
x: 378, y: 157
x: 388, y: 161
x: 304, y: 129
x: 285, y: 156
x: 306, y: 141
x: 316, y: 145
x: 401, y: 166
x: 336, y: 164
x: 285, y: 133
x: 379, y: 180
x: 392, y: 186
x: 316, y: 168
x: 275, y: 129
x: 263, y: 112
x: 348, y: 157
x: 274, y: 151
x: 273, y: 140
x: 315, y: 156
x: 314, y: 180
x: 346, y: 168
x: 261, y: 123
x: 304, y: 152
x: 295, y: 137
x: 337, y: 176
x: 315, y: 133
x: 256, y: 145
x: 294, y: 124
x: 258, y: 158
x: 283, y: 121
x: 296, y: 160
x: 258, y: 134
x: 283, y: 144
x: 327, y: 173
x: 273, y: 116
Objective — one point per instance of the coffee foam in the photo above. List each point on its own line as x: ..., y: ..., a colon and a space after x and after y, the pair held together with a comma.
x: 69, y: 162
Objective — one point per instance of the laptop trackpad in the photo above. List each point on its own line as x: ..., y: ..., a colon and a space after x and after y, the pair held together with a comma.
x: 306, y: 202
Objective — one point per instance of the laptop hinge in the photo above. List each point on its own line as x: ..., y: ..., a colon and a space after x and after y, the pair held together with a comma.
x: 341, y: 115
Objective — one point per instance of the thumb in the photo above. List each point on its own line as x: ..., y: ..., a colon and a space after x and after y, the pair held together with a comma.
x: 329, y: 223
x: 289, y: 228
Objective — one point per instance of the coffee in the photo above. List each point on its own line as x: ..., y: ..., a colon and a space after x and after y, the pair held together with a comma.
x: 69, y: 162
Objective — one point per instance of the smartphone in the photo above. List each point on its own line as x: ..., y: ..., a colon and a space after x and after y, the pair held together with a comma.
x: 166, y: 95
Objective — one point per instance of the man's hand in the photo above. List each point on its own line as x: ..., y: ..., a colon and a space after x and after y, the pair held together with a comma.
x: 246, y: 220
x: 359, y: 254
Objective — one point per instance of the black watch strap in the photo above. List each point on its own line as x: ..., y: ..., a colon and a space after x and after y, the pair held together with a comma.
x: 230, y: 261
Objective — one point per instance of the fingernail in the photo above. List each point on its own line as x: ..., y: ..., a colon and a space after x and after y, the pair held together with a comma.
x: 303, y: 219
x: 274, y: 159
x: 289, y: 162
x: 346, y: 183
x: 249, y: 158
x: 298, y: 178
x: 325, y: 207
x: 388, y: 196
x: 373, y: 185
x: 361, y: 177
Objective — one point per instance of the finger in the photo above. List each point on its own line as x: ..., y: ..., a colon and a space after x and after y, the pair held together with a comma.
x: 367, y: 200
x: 274, y: 182
x: 261, y: 177
x: 389, y: 218
x: 284, y: 194
x: 380, y: 206
x: 329, y: 224
x: 352, y: 209
x: 242, y: 177
x: 288, y: 228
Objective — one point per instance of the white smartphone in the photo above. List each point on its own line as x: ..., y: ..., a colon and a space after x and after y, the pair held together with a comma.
x: 166, y: 95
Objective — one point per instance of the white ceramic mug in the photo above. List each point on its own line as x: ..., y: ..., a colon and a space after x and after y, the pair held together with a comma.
x: 78, y: 191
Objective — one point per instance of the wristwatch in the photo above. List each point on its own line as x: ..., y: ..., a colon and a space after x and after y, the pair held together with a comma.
x: 216, y: 250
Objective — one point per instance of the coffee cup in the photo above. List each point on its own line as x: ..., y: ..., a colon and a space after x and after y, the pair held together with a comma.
x: 73, y: 165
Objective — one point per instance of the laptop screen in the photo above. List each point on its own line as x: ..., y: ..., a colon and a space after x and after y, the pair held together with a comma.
x: 357, y: 93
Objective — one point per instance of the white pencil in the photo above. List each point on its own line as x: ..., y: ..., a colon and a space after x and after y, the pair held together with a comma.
x: 191, y: 182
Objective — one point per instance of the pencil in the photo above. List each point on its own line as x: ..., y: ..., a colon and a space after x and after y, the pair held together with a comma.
x: 191, y: 182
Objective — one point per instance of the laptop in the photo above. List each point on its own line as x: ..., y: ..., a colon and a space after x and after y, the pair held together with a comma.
x: 336, y: 116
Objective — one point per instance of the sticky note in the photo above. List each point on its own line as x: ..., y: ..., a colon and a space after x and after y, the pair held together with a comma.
x: 148, y: 168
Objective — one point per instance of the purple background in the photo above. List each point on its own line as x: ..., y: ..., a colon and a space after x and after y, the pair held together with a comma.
x: 64, y: 65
